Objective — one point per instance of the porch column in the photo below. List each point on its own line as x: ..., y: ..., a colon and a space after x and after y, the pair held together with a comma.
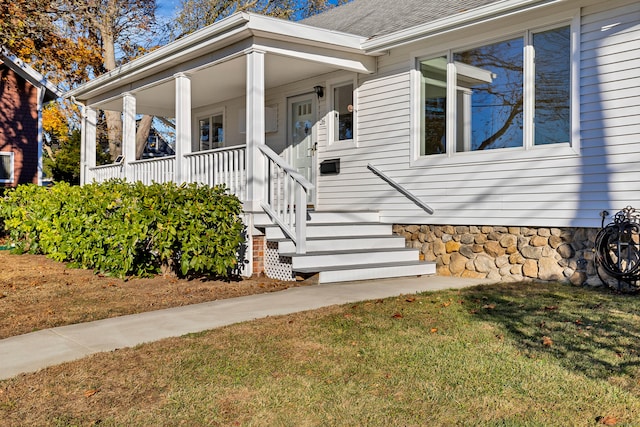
x: 129, y: 134
x: 183, y: 127
x: 256, y: 174
x: 88, y: 145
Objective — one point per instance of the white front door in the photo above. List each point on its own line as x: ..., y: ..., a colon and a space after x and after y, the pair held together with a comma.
x: 302, y: 139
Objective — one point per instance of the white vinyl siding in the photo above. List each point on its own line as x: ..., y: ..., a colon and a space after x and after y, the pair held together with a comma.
x: 533, y: 188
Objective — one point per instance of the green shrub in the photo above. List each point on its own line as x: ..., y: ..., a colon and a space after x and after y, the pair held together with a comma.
x: 128, y: 229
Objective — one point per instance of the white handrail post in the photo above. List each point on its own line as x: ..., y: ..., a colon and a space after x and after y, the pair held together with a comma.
x: 183, y: 127
x: 301, y: 220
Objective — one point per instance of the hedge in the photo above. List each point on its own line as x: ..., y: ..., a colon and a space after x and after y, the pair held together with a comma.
x: 124, y: 229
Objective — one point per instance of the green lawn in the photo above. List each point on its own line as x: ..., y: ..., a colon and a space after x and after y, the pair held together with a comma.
x: 501, y: 355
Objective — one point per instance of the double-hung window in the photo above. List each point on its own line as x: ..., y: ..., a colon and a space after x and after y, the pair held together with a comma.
x: 6, y: 167
x: 512, y: 93
x: 211, y: 132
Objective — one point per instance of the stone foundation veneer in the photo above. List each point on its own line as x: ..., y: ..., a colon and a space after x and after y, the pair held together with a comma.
x: 507, y: 253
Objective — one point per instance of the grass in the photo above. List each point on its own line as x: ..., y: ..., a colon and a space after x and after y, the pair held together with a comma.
x: 499, y: 355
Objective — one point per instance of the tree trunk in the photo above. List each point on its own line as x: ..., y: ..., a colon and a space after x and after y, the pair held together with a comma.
x: 142, y: 134
x: 114, y: 118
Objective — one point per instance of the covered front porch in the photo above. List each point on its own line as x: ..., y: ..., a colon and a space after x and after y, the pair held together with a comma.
x: 228, y: 84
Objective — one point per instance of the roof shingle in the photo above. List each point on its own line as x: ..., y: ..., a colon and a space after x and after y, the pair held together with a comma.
x: 372, y: 18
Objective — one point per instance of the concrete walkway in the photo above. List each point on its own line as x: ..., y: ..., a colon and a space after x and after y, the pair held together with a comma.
x: 37, y: 350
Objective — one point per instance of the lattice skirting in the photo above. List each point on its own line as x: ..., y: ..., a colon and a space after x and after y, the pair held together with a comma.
x: 276, y: 266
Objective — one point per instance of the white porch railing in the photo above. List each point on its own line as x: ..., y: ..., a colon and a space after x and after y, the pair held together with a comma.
x: 159, y: 170
x: 220, y: 166
x: 107, y: 172
x: 286, y: 198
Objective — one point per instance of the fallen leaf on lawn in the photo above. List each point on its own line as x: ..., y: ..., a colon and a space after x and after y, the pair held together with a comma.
x: 607, y: 420
x: 500, y: 337
x: 489, y: 306
x: 91, y: 392
x: 434, y: 330
x: 397, y: 316
x: 410, y: 299
x: 546, y: 341
x: 446, y: 304
x: 551, y: 307
x: 473, y: 311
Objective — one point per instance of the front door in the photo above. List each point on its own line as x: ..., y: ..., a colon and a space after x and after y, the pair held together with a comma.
x: 301, y: 138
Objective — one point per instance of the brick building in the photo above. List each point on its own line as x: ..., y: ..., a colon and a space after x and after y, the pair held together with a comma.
x: 23, y: 92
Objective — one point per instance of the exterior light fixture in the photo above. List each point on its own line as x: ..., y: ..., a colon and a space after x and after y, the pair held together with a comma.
x: 319, y: 90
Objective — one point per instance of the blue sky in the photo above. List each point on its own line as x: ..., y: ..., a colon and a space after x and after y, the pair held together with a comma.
x: 167, y: 8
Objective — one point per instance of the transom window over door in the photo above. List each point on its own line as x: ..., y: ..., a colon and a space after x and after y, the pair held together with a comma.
x: 507, y: 94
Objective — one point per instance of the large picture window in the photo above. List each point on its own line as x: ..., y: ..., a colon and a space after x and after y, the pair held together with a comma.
x: 6, y: 167
x: 475, y: 99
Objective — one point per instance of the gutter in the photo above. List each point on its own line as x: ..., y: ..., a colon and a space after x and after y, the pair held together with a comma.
x: 481, y: 14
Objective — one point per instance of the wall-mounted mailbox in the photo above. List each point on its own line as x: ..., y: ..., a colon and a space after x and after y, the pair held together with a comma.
x: 330, y: 167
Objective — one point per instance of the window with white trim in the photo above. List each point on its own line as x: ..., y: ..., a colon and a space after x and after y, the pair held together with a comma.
x: 511, y: 93
x: 6, y: 167
x: 211, y: 132
x: 343, y: 113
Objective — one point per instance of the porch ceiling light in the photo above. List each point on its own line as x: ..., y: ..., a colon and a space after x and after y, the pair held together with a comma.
x: 319, y: 90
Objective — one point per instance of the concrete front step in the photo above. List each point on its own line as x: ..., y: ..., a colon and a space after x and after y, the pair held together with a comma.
x: 320, y: 244
x: 318, y: 260
x: 335, y: 230
x: 348, y: 273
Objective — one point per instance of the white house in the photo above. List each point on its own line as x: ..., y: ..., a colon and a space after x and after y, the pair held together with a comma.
x: 489, y: 134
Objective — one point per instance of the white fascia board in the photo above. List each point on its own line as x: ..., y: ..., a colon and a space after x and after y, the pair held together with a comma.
x: 293, y: 31
x: 28, y: 73
x: 481, y: 14
x: 355, y: 62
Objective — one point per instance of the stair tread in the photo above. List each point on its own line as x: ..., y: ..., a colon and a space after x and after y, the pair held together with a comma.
x: 364, y: 266
x: 323, y: 238
x: 341, y: 223
x: 347, y: 252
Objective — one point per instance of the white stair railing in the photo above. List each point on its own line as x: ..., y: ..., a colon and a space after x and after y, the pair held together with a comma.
x: 286, y: 198
x: 409, y: 195
x: 220, y: 166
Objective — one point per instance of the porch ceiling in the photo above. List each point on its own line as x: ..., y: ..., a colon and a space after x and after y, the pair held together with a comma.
x: 220, y: 82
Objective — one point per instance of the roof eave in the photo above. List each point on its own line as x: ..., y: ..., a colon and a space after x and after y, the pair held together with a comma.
x: 237, y: 26
x: 380, y: 44
x: 26, y: 72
